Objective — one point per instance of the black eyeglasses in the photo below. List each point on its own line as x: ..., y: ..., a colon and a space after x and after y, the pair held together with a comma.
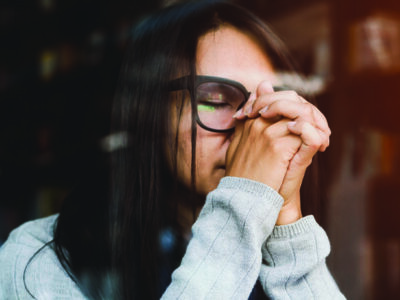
x: 217, y: 100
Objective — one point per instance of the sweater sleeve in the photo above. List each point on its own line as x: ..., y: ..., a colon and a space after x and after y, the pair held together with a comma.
x: 223, y: 258
x: 294, y: 263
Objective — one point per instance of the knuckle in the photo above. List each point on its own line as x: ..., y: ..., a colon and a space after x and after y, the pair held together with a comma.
x: 316, y: 143
x: 257, y: 125
x: 314, y: 146
x: 327, y: 144
x: 302, y: 100
x: 308, y: 109
x: 292, y: 94
x: 325, y: 140
x: 268, y: 132
x: 276, y: 146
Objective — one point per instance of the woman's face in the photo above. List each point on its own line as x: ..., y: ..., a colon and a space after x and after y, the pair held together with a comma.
x: 226, y: 53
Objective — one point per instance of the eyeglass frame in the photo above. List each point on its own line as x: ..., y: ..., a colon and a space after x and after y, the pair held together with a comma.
x: 182, y: 83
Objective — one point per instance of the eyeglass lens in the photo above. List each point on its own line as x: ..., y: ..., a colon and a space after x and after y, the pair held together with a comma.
x: 217, y: 103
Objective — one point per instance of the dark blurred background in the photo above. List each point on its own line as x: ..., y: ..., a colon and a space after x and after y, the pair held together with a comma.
x: 59, y: 64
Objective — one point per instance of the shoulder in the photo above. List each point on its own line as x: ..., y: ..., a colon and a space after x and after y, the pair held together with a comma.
x: 29, y: 265
x: 33, y: 233
x: 25, y: 240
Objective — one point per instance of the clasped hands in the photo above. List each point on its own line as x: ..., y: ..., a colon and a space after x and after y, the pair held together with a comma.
x: 275, y: 139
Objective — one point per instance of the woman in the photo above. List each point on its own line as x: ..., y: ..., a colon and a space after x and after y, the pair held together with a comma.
x: 199, y: 147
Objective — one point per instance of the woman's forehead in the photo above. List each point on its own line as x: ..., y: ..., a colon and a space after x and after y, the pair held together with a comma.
x: 230, y: 53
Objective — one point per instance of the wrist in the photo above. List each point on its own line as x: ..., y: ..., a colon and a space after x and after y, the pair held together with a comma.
x: 290, y: 212
x: 288, y: 218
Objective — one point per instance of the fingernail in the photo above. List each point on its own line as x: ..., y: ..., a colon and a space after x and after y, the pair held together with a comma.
x: 238, y: 113
x: 248, y: 109
x: 264, y: 109
x: 252, y: 97
x: 291, y: 124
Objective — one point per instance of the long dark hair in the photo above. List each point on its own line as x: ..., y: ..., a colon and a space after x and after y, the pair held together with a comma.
x: 108, y: 239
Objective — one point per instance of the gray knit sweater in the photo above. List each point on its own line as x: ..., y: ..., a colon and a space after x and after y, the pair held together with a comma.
x: 234, y: 242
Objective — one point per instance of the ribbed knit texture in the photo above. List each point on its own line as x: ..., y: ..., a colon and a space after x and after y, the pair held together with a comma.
x: 223, y: 258
x: 294, y: 263
x: 234, y: 242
